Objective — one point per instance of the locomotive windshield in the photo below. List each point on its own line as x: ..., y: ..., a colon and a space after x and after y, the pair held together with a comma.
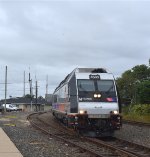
x: 96, y: 90
x: 105, y: 86
x: 86, y: 85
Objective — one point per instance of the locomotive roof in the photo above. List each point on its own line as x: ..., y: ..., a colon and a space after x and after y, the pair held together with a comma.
x: 82, y: 70
x: 90, y: 70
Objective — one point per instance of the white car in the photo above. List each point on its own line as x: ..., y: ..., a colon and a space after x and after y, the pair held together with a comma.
x: 10, y: 107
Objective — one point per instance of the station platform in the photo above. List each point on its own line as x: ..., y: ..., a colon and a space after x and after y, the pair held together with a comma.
x: 7, y: 148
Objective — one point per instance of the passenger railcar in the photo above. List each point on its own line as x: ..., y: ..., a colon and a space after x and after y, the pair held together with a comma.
x: 87, y: 100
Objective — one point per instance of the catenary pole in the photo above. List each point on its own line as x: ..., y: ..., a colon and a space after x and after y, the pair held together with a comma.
x: 46, y: 87
x: 5, y: 88
x: 36, y: 94
x: 24, y: 84
x: 30, y: 84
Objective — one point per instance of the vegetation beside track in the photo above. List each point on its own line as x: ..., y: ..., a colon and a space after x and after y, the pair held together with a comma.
x: 137, y: 112
x: 134, y: 91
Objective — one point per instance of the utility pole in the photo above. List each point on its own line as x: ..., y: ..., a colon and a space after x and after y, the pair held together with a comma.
x: 5, y: 88
x: 36, y: 93
x: 46, y: 87
x: 24, y: 85
x: 30, y: 84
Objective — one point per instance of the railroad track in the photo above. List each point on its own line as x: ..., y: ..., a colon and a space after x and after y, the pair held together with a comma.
x: 126, y: 146
x: 93, y: 146
x: 61, y: 135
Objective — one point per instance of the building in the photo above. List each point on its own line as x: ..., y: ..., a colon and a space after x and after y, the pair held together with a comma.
x: 48, y: 98
x: 25, y: 103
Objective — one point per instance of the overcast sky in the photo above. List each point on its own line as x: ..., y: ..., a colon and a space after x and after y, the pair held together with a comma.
x: 54, y: 37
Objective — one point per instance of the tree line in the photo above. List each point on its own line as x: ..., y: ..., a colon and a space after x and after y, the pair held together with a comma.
x: 134, y: 85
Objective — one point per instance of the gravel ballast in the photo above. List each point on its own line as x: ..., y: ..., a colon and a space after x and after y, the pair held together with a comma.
x: 136, y: 134
x: 32, y: 143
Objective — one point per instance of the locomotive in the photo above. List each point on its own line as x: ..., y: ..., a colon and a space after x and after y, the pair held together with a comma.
x: 87, y: 101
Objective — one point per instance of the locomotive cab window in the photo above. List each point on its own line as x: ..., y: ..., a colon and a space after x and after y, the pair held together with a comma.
x: 86, y: 85
x: 105, y: 86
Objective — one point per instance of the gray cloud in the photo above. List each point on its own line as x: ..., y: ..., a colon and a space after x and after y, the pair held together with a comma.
x: 54, y: 37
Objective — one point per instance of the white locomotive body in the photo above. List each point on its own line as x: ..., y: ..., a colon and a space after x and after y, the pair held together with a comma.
x: 87, y: 100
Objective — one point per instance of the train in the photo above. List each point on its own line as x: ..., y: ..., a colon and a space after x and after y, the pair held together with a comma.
x: 87, y: 101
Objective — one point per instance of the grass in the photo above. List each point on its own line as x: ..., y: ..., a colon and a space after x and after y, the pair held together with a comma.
x: 9, y: 124
x: 137, y: 112
x: 11, y: 117
x: 137, y: 118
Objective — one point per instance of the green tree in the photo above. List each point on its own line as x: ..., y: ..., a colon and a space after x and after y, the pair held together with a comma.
x: 131, y: 84
x: 40, y: 97
x: 141, y: 72
x: 143, y: 91
x: 29, y: 96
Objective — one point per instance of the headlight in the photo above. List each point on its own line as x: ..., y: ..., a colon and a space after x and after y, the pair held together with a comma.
x: 95, y: 95
x: 115, y: 112
x: 99, y: 95
x: 81, y: 111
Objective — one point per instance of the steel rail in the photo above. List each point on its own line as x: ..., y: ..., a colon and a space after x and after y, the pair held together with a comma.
x: 113, y: 147
x: 72, y: 143
x: 103, y: 144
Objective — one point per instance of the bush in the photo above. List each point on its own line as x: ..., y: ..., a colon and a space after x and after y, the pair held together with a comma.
x: 140, y: 109
x: 139, y: 113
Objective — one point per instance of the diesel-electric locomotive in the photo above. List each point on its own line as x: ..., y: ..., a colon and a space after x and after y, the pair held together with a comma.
x: 87, y: 100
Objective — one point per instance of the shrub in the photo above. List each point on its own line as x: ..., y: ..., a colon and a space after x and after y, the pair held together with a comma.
x: 140, y: 109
